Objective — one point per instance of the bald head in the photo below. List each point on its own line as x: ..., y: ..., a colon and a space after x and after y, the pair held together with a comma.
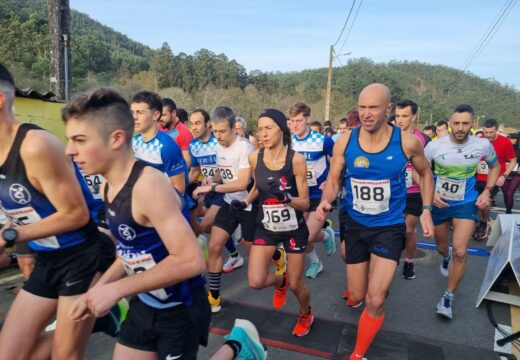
x: 374, y: 106
x: 376, y: 90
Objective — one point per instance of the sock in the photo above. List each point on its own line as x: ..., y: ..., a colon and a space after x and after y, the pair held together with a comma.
x: 230, y: 246
x: 214, y: 284
x: 408, y: 260
x: 235, y: 346
x: 313, y: 257
x: 449, y: 294
x: 368, y: 327
x: 277, y: 254
x: 326, y: 235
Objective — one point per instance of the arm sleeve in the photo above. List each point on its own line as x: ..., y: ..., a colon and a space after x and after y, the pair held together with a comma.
x: 328, y: 145
x: 184, y: 138
x: 173, y: 161
x: 489, y: 154
x: 194, y: 161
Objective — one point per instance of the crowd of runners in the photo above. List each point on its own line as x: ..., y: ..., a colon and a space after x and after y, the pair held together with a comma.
x: 96, y: 222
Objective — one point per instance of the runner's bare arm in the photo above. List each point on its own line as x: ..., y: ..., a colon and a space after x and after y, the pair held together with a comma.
x: 53, y: 175
x: 240, y: 184
x: 253, y: 193
x: 156, y: 205
x: 187, y: 157
x: 333, y: 186
x: 415, y: 152
x: 179, y: 182
x: 194, y: 174
x: 301, y: 202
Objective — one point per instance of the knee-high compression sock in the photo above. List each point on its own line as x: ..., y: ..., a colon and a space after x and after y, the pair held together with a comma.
x: 214, y: 284
x: 368, y: 328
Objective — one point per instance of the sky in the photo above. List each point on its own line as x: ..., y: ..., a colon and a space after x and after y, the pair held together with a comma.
x: 292, y: 35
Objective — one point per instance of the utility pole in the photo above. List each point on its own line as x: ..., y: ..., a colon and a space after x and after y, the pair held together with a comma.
x: 59, y: 36
x: 329, y: 84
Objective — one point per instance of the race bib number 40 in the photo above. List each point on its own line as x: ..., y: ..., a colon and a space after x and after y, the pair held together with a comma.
x: 279, y: 217
x: 370, y: 197
x: 141, y: 262
x: 451, y: 189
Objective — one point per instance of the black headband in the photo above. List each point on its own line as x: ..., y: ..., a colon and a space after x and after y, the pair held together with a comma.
x: 278, y: 117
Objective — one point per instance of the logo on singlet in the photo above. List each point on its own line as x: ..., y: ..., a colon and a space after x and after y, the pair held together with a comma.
x: 19, y: 194
x: 361, y: 162
x: 126, y: 232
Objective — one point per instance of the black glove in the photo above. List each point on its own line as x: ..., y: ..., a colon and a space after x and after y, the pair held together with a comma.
x: 237, y: 205
x: 274, y: 189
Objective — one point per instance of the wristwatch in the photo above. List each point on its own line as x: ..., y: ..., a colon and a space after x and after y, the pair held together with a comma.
x: 10, y: 235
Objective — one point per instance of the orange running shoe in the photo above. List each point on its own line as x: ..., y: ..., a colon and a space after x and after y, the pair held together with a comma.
x: 303, y: 324
x: 280, y: 294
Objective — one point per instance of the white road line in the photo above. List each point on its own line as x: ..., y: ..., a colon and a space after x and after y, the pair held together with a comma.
x: 9, y: 279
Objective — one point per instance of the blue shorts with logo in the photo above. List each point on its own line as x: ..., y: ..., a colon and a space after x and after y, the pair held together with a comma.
x: 464, y: 211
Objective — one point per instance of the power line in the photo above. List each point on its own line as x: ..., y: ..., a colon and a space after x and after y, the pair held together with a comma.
x: 351, y: 26
x: 336, y: 58
x: 488, y: 34
x: 346, y: 21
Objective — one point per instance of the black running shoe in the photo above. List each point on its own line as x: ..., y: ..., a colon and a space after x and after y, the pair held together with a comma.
x: 408, y: 270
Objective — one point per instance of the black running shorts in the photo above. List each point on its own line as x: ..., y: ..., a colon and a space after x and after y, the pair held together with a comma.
x: 228, y: 220
x: 413, y: 204
x: 172, y: 333
x: 64, y: 272
x: 360, y: 241
x: 293, y: 242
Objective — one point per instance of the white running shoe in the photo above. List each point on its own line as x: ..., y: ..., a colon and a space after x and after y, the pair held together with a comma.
x: 233, y: 263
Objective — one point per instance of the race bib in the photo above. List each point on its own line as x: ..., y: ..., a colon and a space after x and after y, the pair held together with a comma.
x: 408, y: 177
x: 311, y: 176
x: 370, y: 197
x: 208, y: 171
x: 279, y: 217
x: 451, y: 189
x: 482, y: 168
x: 94, y: 184
x: 136, y: 263
x: 227, y: 174
x: 28, y: 215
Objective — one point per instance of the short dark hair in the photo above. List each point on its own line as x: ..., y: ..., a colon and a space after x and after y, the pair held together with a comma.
x: 343, y: 120
x: 182, y: 115
x: 152, y: 99
x: 170, y: 103
x: 105, y: 108
x: 7, y: 85
x: 489, y: 123
x: 224, y: 113
x: 318, y: 124
x: 431, y: 128
x: 402, y: 104
x: 462, y: 108
x: 299, y: 108
x: 442, y: 123
x: 327, y: 123
x: 204, y: 113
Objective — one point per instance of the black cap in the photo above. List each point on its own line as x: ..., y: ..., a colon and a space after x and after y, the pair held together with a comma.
x: 278, y: 117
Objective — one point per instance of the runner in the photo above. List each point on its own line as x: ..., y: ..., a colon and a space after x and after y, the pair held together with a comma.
x: 505, y: 154
x: 241, y: 127
x: 456, y: 158
x: 159, y: 261
x: 373, y: 159
x: 155, y: 147
x: 317, y: 150
x: 170, y: 123
x: 405, y: 118
x: 203, y: 152
x: 442, y: 129
x: 513, y: 181
x: 234, y: 170
x: 46, y: 207
x: 281, y: 184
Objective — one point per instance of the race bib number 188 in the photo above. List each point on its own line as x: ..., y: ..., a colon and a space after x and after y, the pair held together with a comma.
x: 370, y: 197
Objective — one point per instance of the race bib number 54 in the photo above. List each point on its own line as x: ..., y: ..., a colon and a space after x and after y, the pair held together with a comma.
x: 370, y: 197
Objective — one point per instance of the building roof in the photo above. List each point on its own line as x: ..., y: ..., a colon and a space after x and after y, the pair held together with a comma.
x: 34, y: 94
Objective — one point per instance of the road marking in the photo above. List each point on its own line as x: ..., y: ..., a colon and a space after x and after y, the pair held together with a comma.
x: 507, y: 348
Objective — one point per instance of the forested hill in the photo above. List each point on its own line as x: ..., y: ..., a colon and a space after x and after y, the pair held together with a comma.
x: 102, y: 56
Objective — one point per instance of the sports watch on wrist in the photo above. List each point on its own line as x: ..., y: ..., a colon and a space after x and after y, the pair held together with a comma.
x: 9, y: 235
